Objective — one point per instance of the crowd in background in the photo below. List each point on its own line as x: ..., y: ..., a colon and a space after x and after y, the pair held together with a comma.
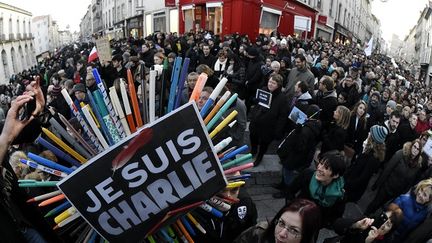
x: 366, y: 116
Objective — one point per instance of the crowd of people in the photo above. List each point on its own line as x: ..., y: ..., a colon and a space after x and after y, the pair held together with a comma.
x: 364, y: 116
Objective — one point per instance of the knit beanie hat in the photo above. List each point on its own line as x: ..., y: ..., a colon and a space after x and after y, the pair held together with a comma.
x: 378, y: 133
x: 392, y: 104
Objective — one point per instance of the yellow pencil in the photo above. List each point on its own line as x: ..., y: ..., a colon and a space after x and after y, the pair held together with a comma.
x: 235, y: 184
x: 65, y: 214
x: 59, y: 142
x: 224, y: 123
x: 82, y: 104
x: 195, y: 222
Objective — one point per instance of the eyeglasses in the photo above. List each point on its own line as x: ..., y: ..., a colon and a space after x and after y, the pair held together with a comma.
x: 290, y: 229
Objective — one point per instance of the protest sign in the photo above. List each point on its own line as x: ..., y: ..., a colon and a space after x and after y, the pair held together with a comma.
x: 129, y: 188
x: 297, y: 116
x: 103, y: 49
x: 264, y: 98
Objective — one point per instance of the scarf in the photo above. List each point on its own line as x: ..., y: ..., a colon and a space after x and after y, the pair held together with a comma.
x: 220, y: 66
x: 326, y: 196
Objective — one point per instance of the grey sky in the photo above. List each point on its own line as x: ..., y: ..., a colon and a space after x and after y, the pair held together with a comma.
x: 397, y: 16
x: 65, y: 12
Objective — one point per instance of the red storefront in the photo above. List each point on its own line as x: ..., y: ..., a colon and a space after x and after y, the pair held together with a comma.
x: 250, y: 17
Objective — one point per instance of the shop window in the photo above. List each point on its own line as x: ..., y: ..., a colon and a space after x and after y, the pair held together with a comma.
x: 159, y: 22
x: 188, y: 19
x: 269, y: 20
x: 214, y: 17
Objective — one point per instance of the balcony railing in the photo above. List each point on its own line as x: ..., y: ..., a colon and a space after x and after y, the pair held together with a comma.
x: 11, y: 36
x: 25, y: 35
x: 19, y: 36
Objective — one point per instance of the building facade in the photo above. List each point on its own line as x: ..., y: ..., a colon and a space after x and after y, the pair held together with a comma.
x: 252, y: 17
x: 17, y: 46
x: 46, y: 33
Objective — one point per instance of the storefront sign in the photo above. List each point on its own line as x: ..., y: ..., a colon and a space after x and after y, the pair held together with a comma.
x: 128, y: 189
x: 322, y: 19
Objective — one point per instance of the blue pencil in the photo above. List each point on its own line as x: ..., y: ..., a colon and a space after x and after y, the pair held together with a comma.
x: 188, y: 226
x: 234, y: 153
x: 165, y: 235
x: 181, y: 84
x: 174, y: 82
x: 95, y: 109
x: 58, y: 152
x: 58, y: 209
x: 209, y: 103
x: 49, y: 163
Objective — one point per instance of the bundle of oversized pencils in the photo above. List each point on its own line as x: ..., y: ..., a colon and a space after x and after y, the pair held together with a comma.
x: 106, y: 121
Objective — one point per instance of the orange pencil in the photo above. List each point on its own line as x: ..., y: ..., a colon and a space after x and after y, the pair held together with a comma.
x: 202, y: 79
x: 128, y: 112
x: 216, y: 108
x: 184, y: 231
x: 52, y: 200
x: 134, y: 99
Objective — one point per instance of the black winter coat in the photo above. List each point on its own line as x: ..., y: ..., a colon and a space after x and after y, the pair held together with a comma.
x: 358, y: 175
x: 267, y: 123
x: 398, y: 177
x: 356, y: 135
x: 253, y: 72
x: 297, y: 150
x: 328, y: 103
x: 333, y: 138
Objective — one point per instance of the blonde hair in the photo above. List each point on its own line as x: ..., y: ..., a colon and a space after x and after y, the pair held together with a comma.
x: 47, y: 154
x: 378, y: 149
x: 19, y: 168
x: 344, y: 118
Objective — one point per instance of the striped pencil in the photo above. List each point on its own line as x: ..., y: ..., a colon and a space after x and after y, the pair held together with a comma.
x: 108, y: 104
x: 76, y: 113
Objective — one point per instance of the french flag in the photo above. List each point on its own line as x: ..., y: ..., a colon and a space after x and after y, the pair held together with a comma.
x: 93, y: 55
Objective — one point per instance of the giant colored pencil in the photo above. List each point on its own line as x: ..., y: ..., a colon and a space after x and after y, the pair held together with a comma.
x: 134, y: 99
x: 222, y: 144
x: 224, y: 130
x: 64, y: 146
x: 184, y: 231
x: 106, y: 116
x: 82, y: 104
x: 238, y: 168
x: 77, y: 135
x: 58, y: 209
x: 84, y: 126
x: 152, y: 96
x: 40, y: 160
x: 119, y: 110
x: 237, y: 161
x: 99, y: 117
x: 234, y: 153
x: 144, y: 93
x: 51, y: 171
x: 108, y: 103
x: 52, y: 200
x: 65, y: 214
x: 202, y: 79
x: 39, y: 184
x: 224, y: 123
x: 59, y: 153
x: 44, y: 196
x: 69, y: 138
x: 174, y: 83
x: 93, y: 125
x: 128, y: 111
x: 68, y: 220
x: 181, y: 84
x: 213, y: 97
x: 216, y: 108
x: 222, y: 110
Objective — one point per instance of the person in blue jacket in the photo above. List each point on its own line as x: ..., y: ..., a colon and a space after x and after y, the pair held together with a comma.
x: 414, y: 206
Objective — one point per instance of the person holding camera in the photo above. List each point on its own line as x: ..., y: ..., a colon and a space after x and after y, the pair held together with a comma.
x: 367, y: 230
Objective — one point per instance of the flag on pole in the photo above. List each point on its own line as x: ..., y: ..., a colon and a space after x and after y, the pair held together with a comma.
x: 93, y: 55
x: 368, y: 49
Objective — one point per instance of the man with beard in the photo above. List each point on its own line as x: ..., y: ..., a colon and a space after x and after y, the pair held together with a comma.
x: 376, y: 116
x: 299, y: 73
x: 393, y: 140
